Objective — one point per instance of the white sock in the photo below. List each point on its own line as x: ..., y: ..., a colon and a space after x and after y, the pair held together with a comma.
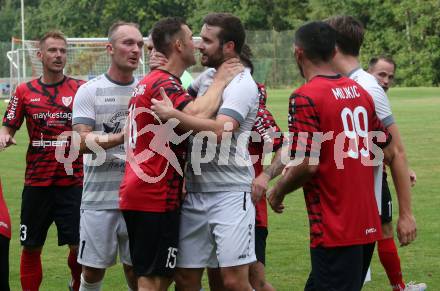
x: 85, y: 286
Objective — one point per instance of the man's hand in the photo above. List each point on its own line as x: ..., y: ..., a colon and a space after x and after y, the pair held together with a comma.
x: 412, y: 177
x: 6, y: 140
x: 228, y: 70
x: 163, y: 108
x: 275, y: 201
x: 156, y: 60
x: 259, y: 187
x: 406, y: 229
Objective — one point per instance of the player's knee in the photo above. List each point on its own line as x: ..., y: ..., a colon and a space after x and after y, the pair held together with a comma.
x: 186, y: 281
x: 92, y: 275
x: 33, y: 249
x: 233, y: 283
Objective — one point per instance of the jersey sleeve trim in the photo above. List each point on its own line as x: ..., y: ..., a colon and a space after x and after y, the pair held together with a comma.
x: 84, y: 120
x: 231, y: 113
x: 388, y: 121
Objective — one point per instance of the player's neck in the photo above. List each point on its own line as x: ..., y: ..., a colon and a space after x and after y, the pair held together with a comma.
x: 123, y: 77
x: 174, y: 66
x: 312, y: 71
x: 347, y: 64
x: 49, y: 78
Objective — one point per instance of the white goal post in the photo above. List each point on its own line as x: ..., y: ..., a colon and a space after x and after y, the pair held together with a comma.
x: 86, y: 59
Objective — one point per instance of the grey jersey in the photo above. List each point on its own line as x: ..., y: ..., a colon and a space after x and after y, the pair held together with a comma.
x: 230, y: 169
x: 380, y: 99
x: 103, y: 104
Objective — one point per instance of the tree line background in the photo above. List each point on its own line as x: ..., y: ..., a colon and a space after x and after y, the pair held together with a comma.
x: 408, y: 30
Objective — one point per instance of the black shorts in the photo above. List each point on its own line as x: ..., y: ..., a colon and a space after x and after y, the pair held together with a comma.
x: 340, y: 268
x: 4, y: 263
x: 387, y: 204
x: 260, y: 243
x: 40, y: 206
x: 153, y: 239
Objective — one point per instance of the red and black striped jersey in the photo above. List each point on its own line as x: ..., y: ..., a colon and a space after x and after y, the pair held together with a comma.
x: 266, y: 127
x: 153, y: 184
x: 332, y: 120
x: 48, y: 113
x: 5, y: 220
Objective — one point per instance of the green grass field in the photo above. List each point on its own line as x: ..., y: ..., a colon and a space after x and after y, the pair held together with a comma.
x: 417, y: 111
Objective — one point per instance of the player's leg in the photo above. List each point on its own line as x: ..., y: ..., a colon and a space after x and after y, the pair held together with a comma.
x: 35, y: 219
x: 4, y: 263
x: 215, y: 279
x: 153, y: 239
x: 233, y: 228
x: 386, y: 247
x: 124, y: 253
x: 337, y: 268
x: 67, y: 219
x: 257, y: 275
x: 196, y: 244
x: 98, y: 246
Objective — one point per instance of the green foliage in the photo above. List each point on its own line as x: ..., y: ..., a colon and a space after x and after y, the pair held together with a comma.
x: 409, y: 30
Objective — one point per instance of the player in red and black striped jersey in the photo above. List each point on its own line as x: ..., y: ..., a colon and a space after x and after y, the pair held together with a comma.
x: 52, y: 190
x: 151, y: 187
x: 332, y: 121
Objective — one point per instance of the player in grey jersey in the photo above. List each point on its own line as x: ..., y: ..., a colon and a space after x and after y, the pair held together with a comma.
x: 99, y: 114
x: 218, y: 217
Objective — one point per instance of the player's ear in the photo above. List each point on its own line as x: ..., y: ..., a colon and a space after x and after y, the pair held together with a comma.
x: 109, y: 48
x: 229, y: 47
x: 178, y: 44
x: 39, y: 54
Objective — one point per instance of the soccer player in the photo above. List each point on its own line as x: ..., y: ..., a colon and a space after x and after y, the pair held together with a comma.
x: 346, y: 61
x: 150, y: 191
x: 99, y: 114
x: 218, y: 217
x: 49, y: 193
x: 330, y: 121
x: 383, y: 69
x: 269, y: 134
x: 5, y: 237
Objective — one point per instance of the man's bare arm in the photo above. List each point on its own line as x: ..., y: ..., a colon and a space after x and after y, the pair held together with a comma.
x: 395, y: 157
x: 104, y: 141
x: 294, y: 177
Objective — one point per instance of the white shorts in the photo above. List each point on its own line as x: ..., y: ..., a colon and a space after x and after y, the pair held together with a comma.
x: 216, y: 230
x: 102, y: 233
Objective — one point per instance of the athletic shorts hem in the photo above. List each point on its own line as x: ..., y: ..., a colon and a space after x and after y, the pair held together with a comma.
x: 236, y: 264
x: 96, y: 266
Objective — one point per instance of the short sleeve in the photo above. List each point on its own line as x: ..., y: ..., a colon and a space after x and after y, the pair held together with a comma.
x: 382, y: 105
x: 15, y: 111
x: 176, y: 93
x: 303, y: 122
x: 83, y: 111
x: 239, y: 97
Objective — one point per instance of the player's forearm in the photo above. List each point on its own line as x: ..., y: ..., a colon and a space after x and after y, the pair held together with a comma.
x: 93, y: 143
x: 207, y: 105
x: 197, y: 124
x: 402, y: 183
x: 276, y: 167
x: 294, y: 178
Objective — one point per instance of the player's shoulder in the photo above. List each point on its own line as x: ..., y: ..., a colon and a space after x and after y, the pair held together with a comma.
x: 95, y: 82
x: 365, y: 79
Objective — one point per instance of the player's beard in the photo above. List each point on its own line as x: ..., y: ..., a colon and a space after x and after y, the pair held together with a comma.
x: 214, y: 60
